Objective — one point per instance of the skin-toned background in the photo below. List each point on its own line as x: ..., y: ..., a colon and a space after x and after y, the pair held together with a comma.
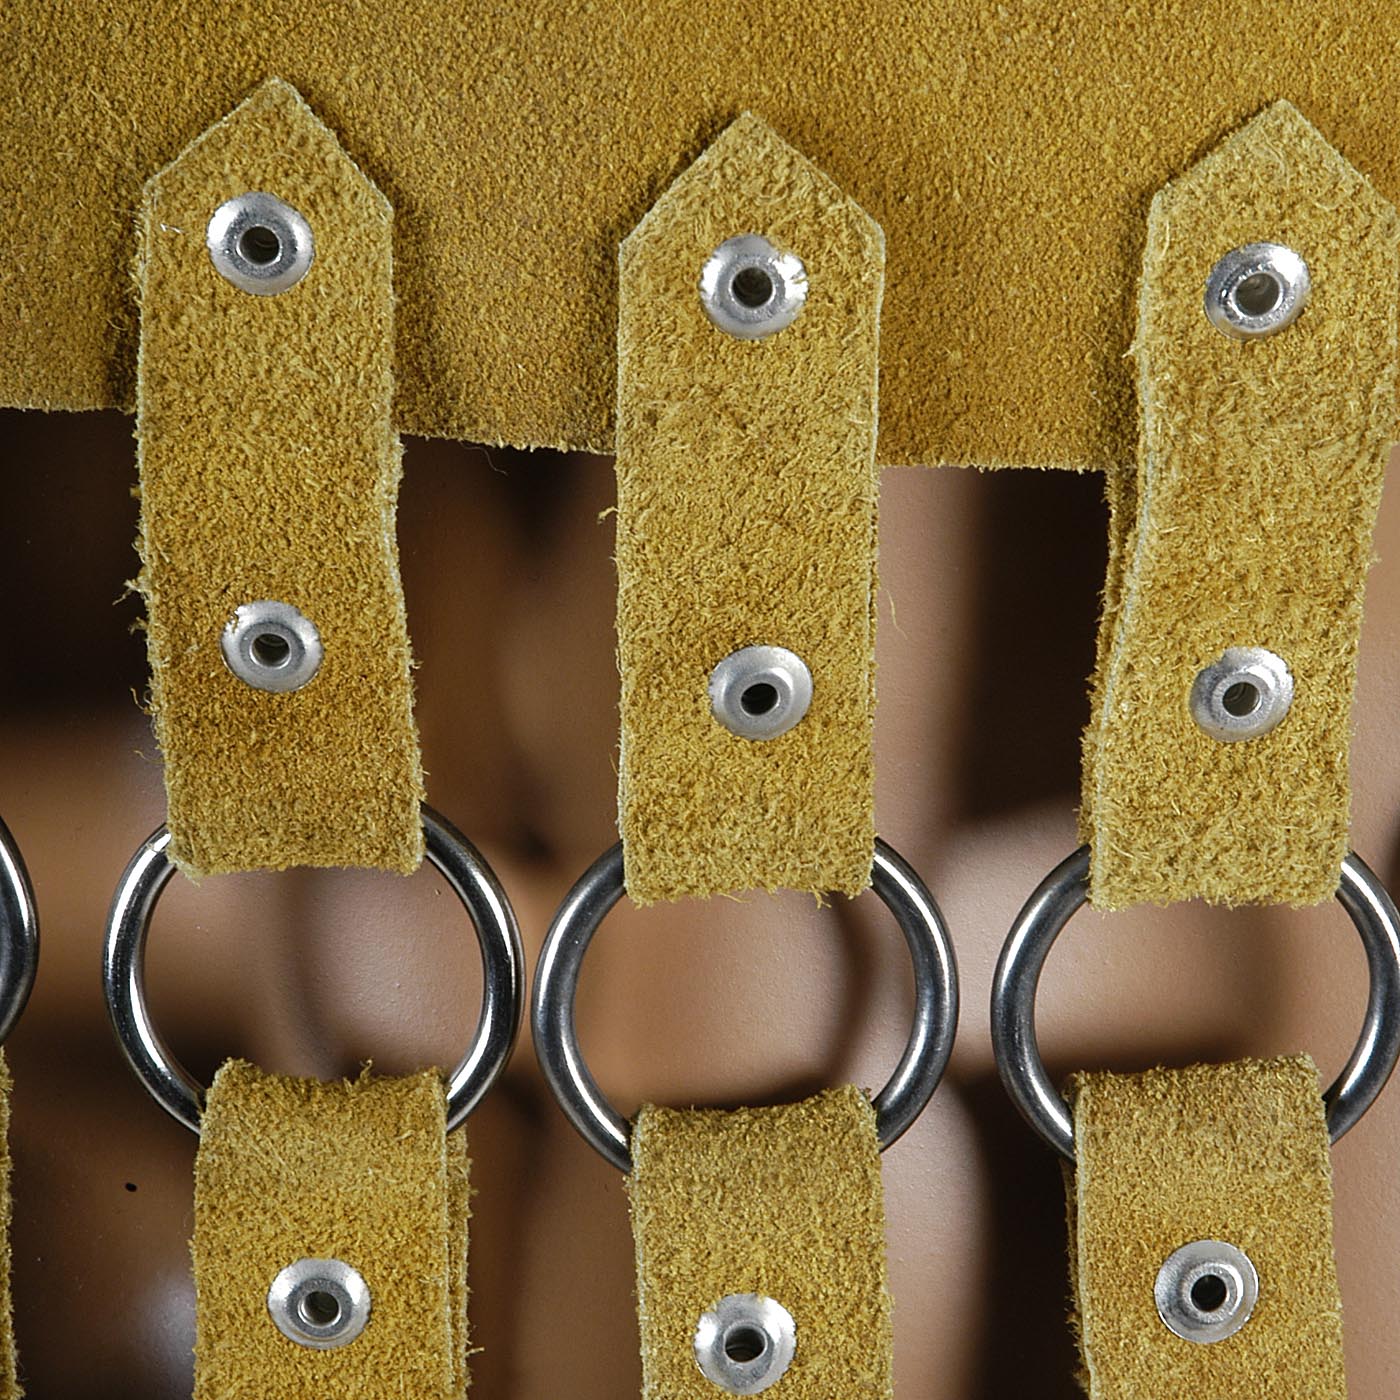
x: 987, y: 620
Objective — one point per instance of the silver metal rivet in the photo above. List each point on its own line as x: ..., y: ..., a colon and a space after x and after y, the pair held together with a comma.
x: 1206, y: 1290
x: 1256, y: 290
x: 745, y: 1343
x: 760, y: 692
x: 749, y: 289
x: 272, y: 646
x: 260, y: 243
x: 1244, y: 694
x: 320, y: 1303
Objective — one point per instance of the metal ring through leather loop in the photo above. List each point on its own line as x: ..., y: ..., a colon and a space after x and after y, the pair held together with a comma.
x: 19, y: 934
x: 897, y: 1105
x: 1050, y: 908
x: 471, y: 879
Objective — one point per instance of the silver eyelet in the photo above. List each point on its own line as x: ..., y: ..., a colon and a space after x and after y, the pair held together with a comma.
x: 319, y: 1303
x: 745, y: 1343
x: 260, y: 243
x: 749, y: 289
x: 760, y: 692
x: 1243, y: 695
x: 1206, y: 1291
x: 1257, y: 290
x: 271, y: 646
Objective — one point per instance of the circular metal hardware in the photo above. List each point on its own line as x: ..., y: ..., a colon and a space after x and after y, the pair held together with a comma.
x: 760, y: 692
x: 1256, y: 290
x: 749, y: 289
x: 1206, y: 1290
x: 745, y: 1343
x: 260, y: 243
x: 897, y: 1105
x: 1050, y: 908
x: 320, y: 1303
x: 455, y: 858
x: 19, y: 934
x: 271, y: 646
x: 1243, y: 695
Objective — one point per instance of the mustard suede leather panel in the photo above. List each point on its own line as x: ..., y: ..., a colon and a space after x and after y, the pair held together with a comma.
x: 10, y: 1388
x: 1248, y: 523
x: 746, y: 516
x: 1232, y: 1152
x: 362, y: 1172
x: 269, y: 470
x: 784, y: 1202
x: 1009, y: 150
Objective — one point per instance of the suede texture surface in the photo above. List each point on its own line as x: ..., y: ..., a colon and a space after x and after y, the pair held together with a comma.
x: 1247, y: 523
x: 784, y: 1202
x: 10, y: 1387
x: 1008, y: 150
x: 269, y: 470
x: 1233, y: 1152
x: 745, y: 516
x: 363, y: 1172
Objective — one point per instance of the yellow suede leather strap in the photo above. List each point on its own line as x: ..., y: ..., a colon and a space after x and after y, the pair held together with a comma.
x: 363, y: 1173
x: 1235, y: 1153
x: 269, y: 470
x: 746, y: 517
x: 1248, y: 523
x: 785, y: 1203
x: 10, y: 1388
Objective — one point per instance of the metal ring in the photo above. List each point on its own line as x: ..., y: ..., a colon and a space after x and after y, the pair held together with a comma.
x: 19, y: 934
x: 455, y: 858
x: 897, y: 1105
x: 1050, y: 908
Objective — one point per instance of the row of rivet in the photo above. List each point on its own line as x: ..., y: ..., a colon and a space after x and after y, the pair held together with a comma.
x: 760, y: 692
x: 748, y: 288
x: 1204, y: 1292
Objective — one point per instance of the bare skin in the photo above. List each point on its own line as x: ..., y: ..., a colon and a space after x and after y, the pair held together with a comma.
x: 986, y: 634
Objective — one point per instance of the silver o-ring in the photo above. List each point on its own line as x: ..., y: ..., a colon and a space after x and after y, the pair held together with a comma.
x: 260, y: 243
x: 1256, y: 290
x: 456, y: 859
x: 1050, y: 908
x: 749, y: 289
x: 600, y: 887
x: 319, y: 1303
x: 760, y: 692
x: 19, y: 934
x: 271, y: 646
